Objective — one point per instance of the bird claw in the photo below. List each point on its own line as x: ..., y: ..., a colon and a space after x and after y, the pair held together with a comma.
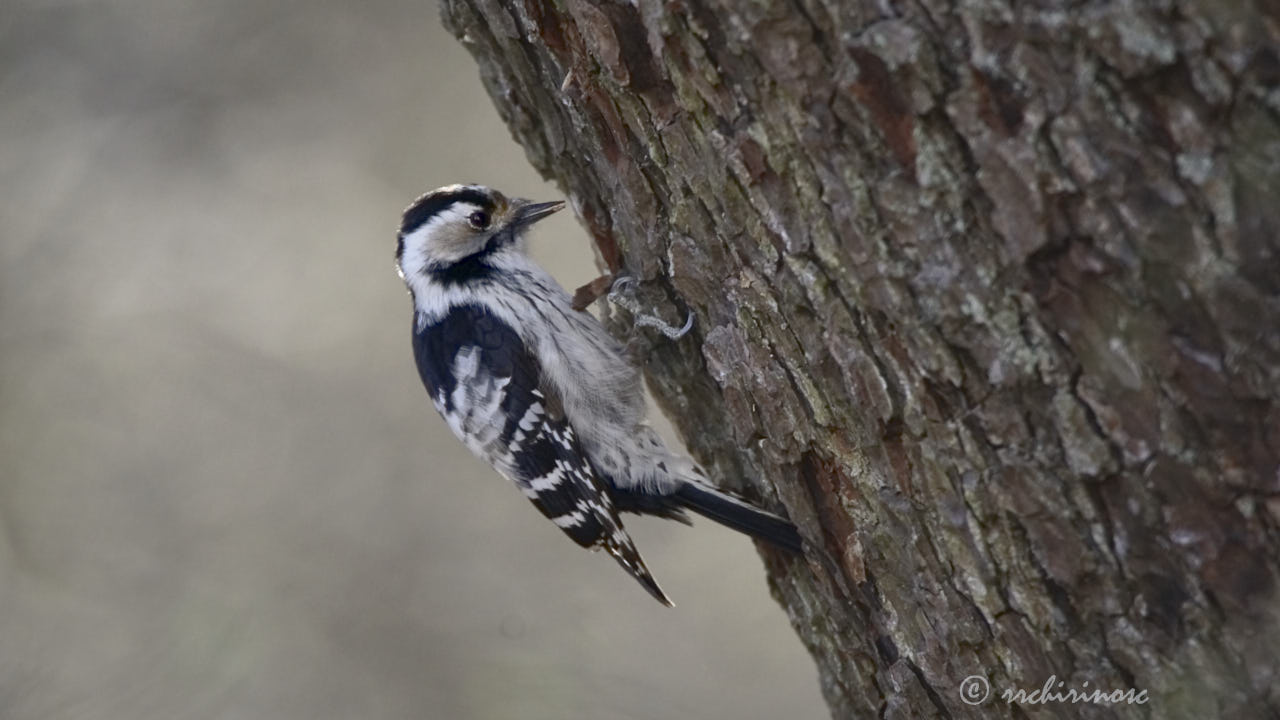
x: 621, y: 284
x: 671, y: 331
x: 620, y: 295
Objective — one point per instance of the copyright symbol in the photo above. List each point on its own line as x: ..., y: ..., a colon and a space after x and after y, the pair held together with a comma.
x: 974, y: 690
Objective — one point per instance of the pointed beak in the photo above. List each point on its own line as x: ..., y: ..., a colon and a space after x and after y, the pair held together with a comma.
x: 529, y: 213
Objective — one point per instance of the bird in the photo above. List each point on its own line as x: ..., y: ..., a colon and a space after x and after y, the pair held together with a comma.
x: 540, y: 389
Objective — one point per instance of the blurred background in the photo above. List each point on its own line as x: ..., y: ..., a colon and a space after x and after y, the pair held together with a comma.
x: 223, y: 492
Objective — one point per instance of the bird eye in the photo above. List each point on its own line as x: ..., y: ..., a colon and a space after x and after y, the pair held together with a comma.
x: 479, y: 220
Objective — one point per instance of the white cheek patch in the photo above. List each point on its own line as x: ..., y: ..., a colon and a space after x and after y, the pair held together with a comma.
x: 446, y: 237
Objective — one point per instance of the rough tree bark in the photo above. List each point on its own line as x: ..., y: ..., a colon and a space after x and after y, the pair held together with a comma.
x: 986, y: 298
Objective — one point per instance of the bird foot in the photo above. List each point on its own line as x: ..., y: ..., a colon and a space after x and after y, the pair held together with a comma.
x: 591, y: 292
x: 622, y: 294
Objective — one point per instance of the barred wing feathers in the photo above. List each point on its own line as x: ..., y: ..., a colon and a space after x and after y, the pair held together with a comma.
x: 488, y: 387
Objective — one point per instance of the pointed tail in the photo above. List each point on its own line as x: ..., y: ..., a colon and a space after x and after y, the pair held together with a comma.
x: 739, y: 514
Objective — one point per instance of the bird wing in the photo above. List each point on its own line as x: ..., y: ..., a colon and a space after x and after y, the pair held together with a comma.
x: 496, y: 401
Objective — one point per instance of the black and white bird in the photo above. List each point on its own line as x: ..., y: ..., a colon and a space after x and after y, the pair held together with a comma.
x: 540, y: 390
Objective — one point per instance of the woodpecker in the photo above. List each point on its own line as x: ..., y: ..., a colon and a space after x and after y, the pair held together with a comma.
x: 540, y: 390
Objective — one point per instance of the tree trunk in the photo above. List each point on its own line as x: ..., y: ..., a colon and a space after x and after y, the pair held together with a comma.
x: 986, y: 299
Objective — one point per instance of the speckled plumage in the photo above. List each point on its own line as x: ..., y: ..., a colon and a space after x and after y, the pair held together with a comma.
x: 539, y: 390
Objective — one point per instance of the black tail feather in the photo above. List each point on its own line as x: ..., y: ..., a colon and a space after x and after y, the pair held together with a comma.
x: 739, y: 515
x: 644, y: 504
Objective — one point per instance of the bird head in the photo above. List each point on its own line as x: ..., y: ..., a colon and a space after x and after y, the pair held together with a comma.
x: 463, y: 223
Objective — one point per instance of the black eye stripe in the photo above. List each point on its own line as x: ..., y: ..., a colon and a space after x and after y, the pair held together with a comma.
x: 434, y: 203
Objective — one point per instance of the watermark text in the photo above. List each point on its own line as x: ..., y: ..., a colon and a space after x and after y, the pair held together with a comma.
x: 976, y: 690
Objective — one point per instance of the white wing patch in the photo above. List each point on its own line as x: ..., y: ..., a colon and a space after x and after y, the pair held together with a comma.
x: 476, y: 418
